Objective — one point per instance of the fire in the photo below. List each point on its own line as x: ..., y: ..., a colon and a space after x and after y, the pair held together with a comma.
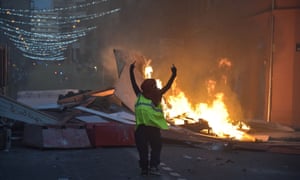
x: 148, y: 70
x: 219, y: 119
x: 179, y: 110
x: 179, y: 105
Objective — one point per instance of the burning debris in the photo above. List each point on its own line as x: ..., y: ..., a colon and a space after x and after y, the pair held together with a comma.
x: 212, y: 117
x: 111, y: 111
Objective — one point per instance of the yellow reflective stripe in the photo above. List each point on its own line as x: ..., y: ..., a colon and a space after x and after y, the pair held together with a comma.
x: 149, y: 104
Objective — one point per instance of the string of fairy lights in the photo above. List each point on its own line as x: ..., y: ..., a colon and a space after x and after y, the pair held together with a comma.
x: 45, y: 34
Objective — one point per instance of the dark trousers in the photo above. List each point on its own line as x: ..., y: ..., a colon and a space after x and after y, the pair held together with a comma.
x: 146, y: 136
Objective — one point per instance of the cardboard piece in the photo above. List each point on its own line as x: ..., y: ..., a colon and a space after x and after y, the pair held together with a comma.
x: 123, y: 87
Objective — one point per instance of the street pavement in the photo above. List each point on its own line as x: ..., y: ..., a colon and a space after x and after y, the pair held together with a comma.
x: 179, y: 162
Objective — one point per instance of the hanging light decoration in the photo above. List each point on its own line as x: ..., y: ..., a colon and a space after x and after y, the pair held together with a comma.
x: 51, y: 30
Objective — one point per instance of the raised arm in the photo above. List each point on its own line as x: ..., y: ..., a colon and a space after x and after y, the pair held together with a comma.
x: 135, y: 87
x: 171, y: 80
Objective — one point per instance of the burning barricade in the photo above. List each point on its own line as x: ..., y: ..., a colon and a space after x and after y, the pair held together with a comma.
x: 212, y: 118
x: 108, y: 115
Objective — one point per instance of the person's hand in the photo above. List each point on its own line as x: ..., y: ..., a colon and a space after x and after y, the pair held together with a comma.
x: 132, y: 65
x: 174, y: 70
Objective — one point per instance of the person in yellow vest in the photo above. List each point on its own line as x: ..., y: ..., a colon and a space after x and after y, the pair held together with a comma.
x: 149, y: 121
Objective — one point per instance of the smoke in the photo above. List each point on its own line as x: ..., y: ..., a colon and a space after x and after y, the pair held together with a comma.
x: 193, y: 35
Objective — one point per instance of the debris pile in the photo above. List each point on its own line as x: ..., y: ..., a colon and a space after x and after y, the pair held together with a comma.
x: 92, y: 118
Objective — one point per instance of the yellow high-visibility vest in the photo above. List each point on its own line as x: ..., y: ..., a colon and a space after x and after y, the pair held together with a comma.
x: 146, y: 113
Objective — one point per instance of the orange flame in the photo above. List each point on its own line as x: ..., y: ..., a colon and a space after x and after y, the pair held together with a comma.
x: 178, y: 109
x: 148, y: 70
x: 219, y: 119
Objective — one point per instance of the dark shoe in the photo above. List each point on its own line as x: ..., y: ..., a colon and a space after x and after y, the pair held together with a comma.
x: 144, y: 172
x: 154, y: 171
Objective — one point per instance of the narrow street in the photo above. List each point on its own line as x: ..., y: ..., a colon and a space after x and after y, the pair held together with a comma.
x: 179, y: 162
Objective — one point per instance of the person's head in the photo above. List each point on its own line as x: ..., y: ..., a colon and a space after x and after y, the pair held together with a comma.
x: 151, y: 91
x: 148, y: 85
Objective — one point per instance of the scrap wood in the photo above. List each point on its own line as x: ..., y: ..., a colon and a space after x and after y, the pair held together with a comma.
x: 81, y: 96
x: 71, y: 97
x: 104, y: 93
x: 65, y: 117
x: 62, y: 107
x: 261, y: 138
x: 175, y: 136
x: 182, y: 134
x: 178, y: 134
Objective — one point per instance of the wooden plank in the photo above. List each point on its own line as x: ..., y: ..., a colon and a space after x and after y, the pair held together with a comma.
x: 79, y: 97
